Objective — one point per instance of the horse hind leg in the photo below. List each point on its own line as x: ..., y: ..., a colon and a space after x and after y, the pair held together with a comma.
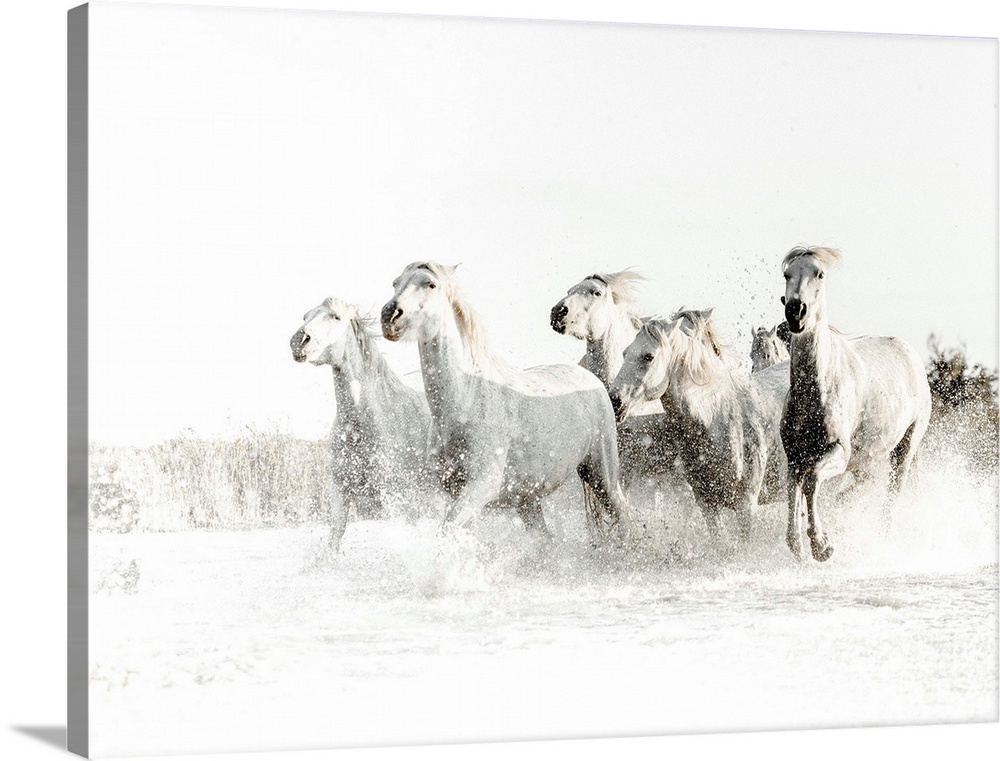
x: 604, y: 501
x: 530, y: 512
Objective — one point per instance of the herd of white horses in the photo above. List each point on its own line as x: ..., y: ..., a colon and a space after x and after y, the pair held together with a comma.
x: 653, y: 397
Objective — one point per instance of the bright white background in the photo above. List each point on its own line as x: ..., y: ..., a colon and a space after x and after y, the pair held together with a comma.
x: 33, y: 234
x: 245, y: 166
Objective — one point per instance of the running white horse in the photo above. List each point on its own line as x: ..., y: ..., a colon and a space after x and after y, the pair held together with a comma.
x: 378, y: 444
x: 854, y: 403
x: 725, y: 423
x: 769, y: 347
x: 599, y: 310
x: 504, y: 437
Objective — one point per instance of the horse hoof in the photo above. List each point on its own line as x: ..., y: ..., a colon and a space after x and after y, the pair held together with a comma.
x: 822, y: 552
x: 796, y: 548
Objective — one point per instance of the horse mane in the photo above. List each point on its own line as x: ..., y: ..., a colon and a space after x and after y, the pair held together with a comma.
x: 828, y: 257
x: 339, y: 306
x: 470, y: 327
x: 697, y: 351
x: 366, y: 333
x: 621, y: 285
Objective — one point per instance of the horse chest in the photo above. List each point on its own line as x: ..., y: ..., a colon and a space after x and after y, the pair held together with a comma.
x: 355, y: 454
x: 812, y: 422
x: 451, y: 458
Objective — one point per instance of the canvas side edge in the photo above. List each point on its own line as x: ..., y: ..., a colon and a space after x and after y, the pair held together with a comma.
x: 77, y: 734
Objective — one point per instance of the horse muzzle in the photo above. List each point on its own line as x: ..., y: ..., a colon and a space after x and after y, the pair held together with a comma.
x: 557, y: 318
x: 390, y: 316
x: 795, y: 315
x: 298, y: 343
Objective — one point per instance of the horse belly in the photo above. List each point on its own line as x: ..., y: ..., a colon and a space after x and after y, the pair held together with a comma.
x: 895, y: 397
x: 554, y: 436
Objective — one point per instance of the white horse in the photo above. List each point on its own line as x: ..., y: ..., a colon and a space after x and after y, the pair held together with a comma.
x: 503, y: 437
x: 598, y: 310
x: 724, y: 422
x: 378, y: 444
x: 769, y: 347
x: 853, y: 404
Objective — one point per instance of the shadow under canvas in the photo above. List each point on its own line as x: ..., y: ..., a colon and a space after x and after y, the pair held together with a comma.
x: 51, y: 735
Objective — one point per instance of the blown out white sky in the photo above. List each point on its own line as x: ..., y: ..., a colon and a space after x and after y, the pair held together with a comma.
x: 244, y: 165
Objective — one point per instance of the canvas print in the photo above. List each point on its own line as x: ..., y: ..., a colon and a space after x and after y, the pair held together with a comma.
x: 465, y: 380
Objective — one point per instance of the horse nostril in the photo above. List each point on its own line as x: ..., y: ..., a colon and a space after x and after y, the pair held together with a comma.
x: 304, y: 340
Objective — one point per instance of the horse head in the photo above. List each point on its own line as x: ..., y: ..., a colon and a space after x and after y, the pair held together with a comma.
x: 420, y: 303
x: 767, y: 348
x: 645, y: 371
x: 805, y: 292
x: 321, y: 339
x: 589, y: 308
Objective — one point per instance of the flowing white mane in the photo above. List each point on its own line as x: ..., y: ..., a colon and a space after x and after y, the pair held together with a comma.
x: 343, y: 309
x: 697, y: 354
x: 470, y: 328
x: 828, y: 257
x: 621, y: 285
x: 366, y: 332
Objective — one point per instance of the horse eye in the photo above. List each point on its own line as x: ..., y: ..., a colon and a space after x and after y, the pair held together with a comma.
x: 820, y: 275
x: 432, y: 285
x: 598, y: 294
x: 647, y: 357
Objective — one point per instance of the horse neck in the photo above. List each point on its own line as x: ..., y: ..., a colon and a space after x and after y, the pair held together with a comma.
x: 363, y: 380
x: 814, y: 357
x: 447, y: 373
x: 604, y: 352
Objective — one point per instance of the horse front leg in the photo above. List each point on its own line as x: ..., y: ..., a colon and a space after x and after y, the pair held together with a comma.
x: 337, y: 510
x: 712, y: 520
x: 476, y: 494
x: 833, y: 463
x: 744, y: 520
x: 796, y: 504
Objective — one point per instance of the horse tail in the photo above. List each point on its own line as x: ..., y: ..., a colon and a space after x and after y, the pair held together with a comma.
x: 592, y: 510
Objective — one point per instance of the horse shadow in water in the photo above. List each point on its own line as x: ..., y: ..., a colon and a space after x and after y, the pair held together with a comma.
x: 378, y: 443
x: 504, y: 437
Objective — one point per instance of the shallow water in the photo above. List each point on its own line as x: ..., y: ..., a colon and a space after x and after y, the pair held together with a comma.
x: 229, y: 641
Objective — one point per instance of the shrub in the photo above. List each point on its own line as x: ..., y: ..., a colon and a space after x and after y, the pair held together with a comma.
x: 188, y: 482
x: 965, y: 413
